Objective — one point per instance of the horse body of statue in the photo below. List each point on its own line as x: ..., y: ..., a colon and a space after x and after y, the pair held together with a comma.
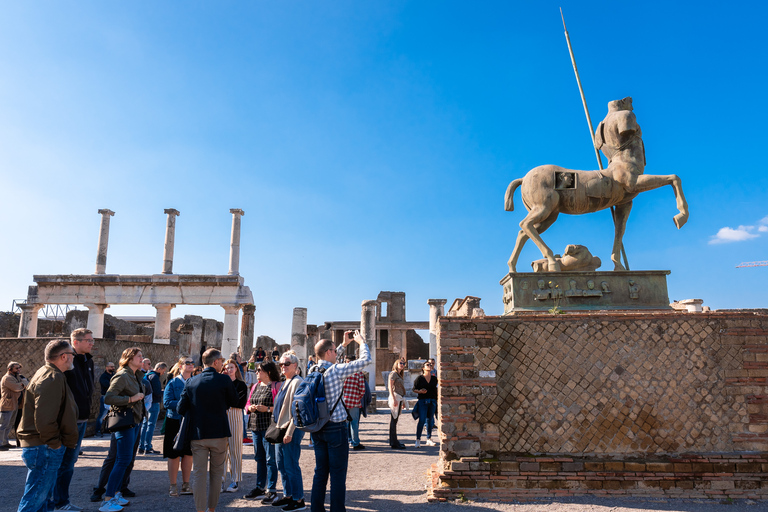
x: 549, y: 190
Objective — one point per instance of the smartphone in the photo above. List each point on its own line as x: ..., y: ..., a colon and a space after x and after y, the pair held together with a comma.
x: 351, y: 335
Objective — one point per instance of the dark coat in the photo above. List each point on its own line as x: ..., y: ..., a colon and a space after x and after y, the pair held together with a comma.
x: 104, y: 382
x: 157, y: 387
x: 80, y: 381
x: 206, y: 397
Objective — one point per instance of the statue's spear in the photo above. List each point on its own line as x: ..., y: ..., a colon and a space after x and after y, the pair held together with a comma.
x: 589, y: 123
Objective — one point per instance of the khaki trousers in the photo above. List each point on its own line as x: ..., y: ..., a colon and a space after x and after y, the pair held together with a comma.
x: 204, y: 450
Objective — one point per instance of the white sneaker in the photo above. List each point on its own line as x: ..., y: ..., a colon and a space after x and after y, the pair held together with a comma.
x: 110, y: 506
x: 120, y: 500
x: 232, y: 487
x: 70, y: 508
x: 418, y: 443
x: 430, y: 443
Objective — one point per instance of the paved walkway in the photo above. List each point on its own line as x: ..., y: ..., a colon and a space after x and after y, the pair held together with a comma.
x: 379, y: 479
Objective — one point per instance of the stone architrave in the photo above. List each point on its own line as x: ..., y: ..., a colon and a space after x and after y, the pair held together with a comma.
x: 170, y: 238
x: 299, y: 335
x: 229, y: 340
x: 368, y: 332
x: 28, y: 322
x: 96, y: 319
x: 234, y: 245
x: 436, y: 310
x: 163, y: 323
x: 247, y: 331
x: 101, y: 255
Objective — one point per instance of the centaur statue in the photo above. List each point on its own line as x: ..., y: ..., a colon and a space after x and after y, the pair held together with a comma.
x: 549, y: 190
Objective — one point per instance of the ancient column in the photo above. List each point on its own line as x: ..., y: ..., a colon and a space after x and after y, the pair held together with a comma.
x: 368, y: 332
x: 101, y: 255
x: 436, y: 310
x: 234, y: 244
x: 28, y: 322
x: 247, y: 328
x: 299, y: 336
x: 163, y: 323
x: 96, y: 319
x: 170, y: 237
x: 229, y: 336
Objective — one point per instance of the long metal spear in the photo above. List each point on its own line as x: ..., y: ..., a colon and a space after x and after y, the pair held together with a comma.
x: 589, y: 124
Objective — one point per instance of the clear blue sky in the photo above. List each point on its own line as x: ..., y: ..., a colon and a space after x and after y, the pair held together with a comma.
x: 370, y: 143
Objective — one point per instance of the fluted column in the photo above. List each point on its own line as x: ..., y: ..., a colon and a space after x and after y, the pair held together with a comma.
x: 163, y: 323
x: 299, y: 336
x: 247, y: 331
x: 368, y: 331
x: 436, y: 310
x: 234, y: 244
x: 96, y: 319
x: 170, y: 238
x: 229, y: 336
x: 28, y: 322
x: 101, y: 254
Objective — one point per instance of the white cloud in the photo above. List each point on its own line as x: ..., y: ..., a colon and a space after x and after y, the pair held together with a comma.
x: 764, y: 220
x: 727, y: 235
x: 763, y: 229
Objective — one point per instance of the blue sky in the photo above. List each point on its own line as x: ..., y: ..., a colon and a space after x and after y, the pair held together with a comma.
x: 370, y: 143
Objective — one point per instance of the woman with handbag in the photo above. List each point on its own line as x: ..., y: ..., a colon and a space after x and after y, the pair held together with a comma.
x: 179, y: 374
x: 396, y: 393
x: 125, y: 391
x: 289, y: 450
x: 426, y: 387
x: 235, y: 417
x: 260, y: 407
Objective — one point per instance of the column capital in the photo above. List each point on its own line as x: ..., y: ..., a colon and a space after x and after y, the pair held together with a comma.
x: 236, y: 211
x: 106, y: 211
x: 249, y: 309
x: 232, y: 309
x: 437, y: 302
x: 30, y: 308
x: 163, y: 306
x: 370, y: 303
x: 172, y: 211
x: 99, y: 307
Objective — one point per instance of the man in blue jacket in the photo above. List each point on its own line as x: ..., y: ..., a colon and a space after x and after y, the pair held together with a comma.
x: 204, y: 403
x: 148, y: 425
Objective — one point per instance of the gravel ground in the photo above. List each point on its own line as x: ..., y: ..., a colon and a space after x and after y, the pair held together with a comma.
x: 379, y: 479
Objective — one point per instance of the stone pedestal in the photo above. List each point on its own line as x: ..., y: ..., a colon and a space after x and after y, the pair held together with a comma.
x: 163, y: 323
x: 247, y: 330
x: 229, y: 337
x: 299, y: 336
x: 28, y: 323
x: 96, y: 319
x: 436, y: 310
x: 575, y: 291
x: 234, y: 245
x: 101, y: 255
x: 170, y: 238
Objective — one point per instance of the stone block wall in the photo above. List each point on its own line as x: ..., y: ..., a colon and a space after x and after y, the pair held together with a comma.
x: 660, y: 404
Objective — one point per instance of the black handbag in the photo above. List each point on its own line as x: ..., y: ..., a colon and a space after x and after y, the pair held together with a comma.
x: 274, y: 434
x: 183, y: 439
x: 117, y: 419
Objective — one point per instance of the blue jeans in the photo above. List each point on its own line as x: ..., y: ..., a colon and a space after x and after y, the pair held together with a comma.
x: 42, y: 467
x: 148, y: 427
x: 354, y: 425
x: 331, y: 458
x: 67, y: 469
x: 266, y: 465
x: 288, y: 464
x: 125, y: 441
x: 109, y: 464
x: 427, y: 409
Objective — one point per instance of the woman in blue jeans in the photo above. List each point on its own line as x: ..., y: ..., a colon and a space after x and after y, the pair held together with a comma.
x: 426, y: 387
x: 125, y: 389
x: 260, y: 406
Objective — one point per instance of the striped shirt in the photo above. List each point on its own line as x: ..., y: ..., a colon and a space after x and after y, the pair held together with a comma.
x: 334, y: 380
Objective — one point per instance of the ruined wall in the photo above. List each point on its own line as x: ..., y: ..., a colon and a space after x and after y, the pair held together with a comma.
x: 9, y: 325
x: 671, y: 404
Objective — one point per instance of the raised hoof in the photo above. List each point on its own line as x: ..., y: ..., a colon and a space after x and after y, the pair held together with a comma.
x: 680, y: 219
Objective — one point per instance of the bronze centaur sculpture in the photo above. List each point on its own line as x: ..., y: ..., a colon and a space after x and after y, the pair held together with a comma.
x: 549, y: 190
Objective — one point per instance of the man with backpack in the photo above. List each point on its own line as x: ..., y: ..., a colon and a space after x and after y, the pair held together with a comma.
x: 331, y: 441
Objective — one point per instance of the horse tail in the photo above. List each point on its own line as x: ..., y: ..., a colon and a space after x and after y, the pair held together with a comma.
x: 509, y: 204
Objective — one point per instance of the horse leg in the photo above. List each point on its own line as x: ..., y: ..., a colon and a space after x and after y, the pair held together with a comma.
x: 650, y: 182
x: 541, y: 216
x: 522, y: 238
x: 620, y: 223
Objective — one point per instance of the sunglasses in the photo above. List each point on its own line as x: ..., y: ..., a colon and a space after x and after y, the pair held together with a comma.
x: 189, y: 362
x: 286, y: 364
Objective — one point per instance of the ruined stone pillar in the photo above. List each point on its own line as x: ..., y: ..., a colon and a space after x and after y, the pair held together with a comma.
x: 101, y: 255
x: 299, y: 336
x: 170, y: 237
x: 247, y: 328
x: 368, y: 332
x: 234, y: 244
x: 163, y: 323
x: 229, y: 336
x: 96, y: 319
x: 436, y: 310
x: 28, y: 322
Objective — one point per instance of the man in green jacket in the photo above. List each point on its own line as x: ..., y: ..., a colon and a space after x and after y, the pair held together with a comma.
x: 48, y: 424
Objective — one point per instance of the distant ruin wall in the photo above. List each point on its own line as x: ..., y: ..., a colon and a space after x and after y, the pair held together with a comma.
x: 661, y: 404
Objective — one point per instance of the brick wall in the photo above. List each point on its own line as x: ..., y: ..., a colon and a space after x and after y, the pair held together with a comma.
x: 668, y: 404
